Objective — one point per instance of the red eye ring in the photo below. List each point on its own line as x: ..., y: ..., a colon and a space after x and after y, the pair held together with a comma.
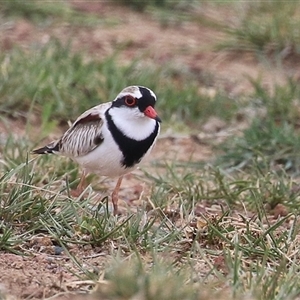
x: 130, y: 101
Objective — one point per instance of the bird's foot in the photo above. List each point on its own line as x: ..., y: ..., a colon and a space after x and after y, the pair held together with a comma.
x: 80, y: 187
x: 116, y: 210
x: 76, y: 193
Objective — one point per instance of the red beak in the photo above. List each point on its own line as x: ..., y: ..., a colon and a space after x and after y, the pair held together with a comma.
x: 151, y: 113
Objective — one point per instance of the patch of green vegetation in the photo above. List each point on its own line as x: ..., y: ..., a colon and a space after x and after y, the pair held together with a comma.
x: 130, y: 279
x: 33, y: 9
x: 272, y: 140
x: 39, y: 201
x: 180, y: 189
x: 202, y: 232
x: 268, y: 27
x: 43, y: 12
x: 159, y: 281
x: 252, y: 251
x: 166, y: 4
x: 50, y: 78
x: 55, y: 83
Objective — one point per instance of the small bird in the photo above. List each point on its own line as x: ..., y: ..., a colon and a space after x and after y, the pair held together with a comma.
x: 112, y: 138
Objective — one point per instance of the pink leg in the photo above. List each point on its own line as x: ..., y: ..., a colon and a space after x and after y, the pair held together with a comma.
x: 80, y: 187
x: 115, y: 196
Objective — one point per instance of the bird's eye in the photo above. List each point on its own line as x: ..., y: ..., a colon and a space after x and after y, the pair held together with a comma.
x: 130, y: 101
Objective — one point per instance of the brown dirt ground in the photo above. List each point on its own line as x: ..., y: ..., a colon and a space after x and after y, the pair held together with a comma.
x: 188, y: 44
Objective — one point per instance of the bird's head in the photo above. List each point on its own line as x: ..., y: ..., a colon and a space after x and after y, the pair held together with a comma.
x: 137, y: 101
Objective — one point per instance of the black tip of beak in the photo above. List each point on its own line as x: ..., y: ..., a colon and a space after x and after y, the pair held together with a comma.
x: 158, y: 119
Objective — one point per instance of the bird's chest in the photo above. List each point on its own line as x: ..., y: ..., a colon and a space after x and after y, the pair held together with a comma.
x: 135, y: 143
x: 118, y: 154
x: 105, y: 160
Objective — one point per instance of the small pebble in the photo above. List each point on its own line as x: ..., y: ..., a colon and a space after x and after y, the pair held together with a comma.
x: 58, y: 250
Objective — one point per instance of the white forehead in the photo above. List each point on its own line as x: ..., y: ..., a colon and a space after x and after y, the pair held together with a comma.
x: 135, y: 92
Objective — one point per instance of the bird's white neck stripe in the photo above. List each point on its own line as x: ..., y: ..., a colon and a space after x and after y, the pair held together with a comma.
x: 132, y: 123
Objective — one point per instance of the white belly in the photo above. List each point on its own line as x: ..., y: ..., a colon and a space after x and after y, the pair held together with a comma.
x: 104, y: 160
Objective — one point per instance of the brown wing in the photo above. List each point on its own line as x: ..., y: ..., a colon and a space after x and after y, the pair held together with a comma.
x: 83, y: 136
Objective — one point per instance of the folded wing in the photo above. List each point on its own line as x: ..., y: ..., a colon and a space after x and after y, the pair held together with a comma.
x: 81, y: 138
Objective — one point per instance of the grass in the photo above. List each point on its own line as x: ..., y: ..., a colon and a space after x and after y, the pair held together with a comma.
x: 266, y: 27
x: 48, y: 13
x: 272, y: 140
x: 164, y: 4
x: 224, y: 229
x: 58, y: 84
x: 170, y: 240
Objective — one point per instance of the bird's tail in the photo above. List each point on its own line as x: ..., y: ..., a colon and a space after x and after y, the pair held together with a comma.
x: 49, y: 149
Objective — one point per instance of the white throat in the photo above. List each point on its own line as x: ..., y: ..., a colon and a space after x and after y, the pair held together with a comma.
x: 132, y: 123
